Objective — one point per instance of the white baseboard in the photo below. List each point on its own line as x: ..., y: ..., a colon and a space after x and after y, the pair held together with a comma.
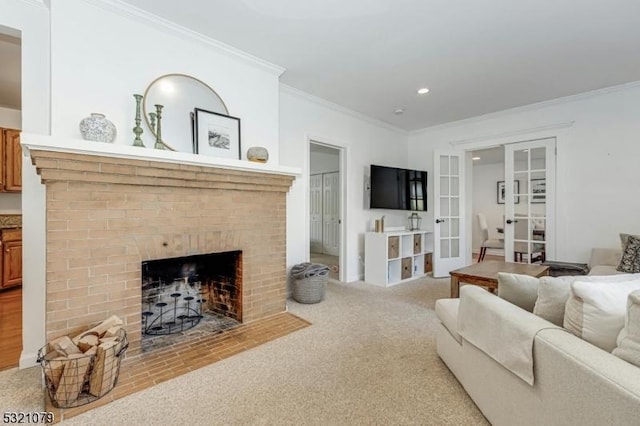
x: 28, y: 360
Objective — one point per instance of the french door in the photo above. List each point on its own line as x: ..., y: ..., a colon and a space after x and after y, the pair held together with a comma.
x: 448, y: 210
x: 529, y: 201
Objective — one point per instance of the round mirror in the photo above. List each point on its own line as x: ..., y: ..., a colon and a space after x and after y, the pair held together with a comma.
x: 179, y: 94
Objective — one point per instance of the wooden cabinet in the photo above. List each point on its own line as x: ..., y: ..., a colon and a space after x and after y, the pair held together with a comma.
x: 11, y: 161
x: 397, y: 256
x: 11, y: 257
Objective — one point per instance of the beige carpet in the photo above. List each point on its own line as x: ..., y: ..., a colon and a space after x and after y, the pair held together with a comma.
x: 368, y: 358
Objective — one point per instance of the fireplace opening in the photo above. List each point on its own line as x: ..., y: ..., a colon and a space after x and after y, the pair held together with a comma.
x: 181, y: 293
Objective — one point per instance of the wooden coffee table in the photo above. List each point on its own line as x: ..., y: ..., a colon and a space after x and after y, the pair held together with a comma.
x: 486, y: 274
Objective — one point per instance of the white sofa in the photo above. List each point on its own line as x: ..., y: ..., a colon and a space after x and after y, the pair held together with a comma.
x: 575, y: 383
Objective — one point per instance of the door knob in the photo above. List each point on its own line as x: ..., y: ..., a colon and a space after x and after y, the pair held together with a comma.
x: 509, y: 221
x: 439, y: 220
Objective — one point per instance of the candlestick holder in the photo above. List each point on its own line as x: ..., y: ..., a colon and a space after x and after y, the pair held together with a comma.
x: 137, y: 130
x: 159, y: 144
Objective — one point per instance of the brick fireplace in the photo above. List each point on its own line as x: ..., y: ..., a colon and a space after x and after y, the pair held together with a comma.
x: 105, y: 215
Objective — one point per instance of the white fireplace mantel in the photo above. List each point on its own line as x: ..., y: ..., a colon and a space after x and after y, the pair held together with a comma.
x: 38, y: 142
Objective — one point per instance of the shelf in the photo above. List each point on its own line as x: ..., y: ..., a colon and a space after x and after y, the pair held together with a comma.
x: 397, y: 256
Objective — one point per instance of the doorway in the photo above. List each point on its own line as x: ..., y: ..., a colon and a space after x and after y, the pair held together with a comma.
x: 325, y: 206
x: 10, y: 198
x: 487, y: 202
x: 513, y: 194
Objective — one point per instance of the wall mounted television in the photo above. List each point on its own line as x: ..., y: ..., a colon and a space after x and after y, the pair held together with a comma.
x: 398, y: 189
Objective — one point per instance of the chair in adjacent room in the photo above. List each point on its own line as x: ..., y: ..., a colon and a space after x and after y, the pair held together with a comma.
x: 492, y: 243
x: 535, y: 252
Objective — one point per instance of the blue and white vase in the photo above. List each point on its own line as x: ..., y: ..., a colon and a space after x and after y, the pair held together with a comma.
x: 97, y: 128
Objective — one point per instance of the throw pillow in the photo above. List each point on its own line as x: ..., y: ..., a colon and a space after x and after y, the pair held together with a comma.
x: 623, y: 239
x: 521, y: 290
x: 630, y: 260
x: 595, y: 311
x: 553, y: 293
x: 629, y: 338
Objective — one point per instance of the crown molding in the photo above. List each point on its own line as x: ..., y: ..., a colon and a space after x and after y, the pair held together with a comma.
x: 465, y: 143
x: 129, y: 11
x: 530, y: 107
x: 339, y: 108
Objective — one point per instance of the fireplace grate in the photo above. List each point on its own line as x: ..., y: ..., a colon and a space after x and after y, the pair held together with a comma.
x: 170, y: 311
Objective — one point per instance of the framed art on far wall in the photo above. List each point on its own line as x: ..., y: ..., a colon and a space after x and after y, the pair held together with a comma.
x: 216, y: 135
x: 538, y: 190
x: 501, y: 191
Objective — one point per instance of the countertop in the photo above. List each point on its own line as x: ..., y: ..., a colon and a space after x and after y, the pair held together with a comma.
x: 10, y: 221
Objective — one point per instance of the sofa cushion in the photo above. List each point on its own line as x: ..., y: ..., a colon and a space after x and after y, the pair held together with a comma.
x: 629, y: 338
x: 630, y: 260
x: 604, y: 270
x: 604, y: 256
x: 596, y: 310
x: 521, y: 290
x: 447, y: 313
x: 553, y: 293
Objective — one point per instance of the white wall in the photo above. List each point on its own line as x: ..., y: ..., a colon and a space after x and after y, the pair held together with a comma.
x: 32, y: 20
x: 323, y: 162
x: 10, y: 118
x: 597, y: 160
x: 101, y: 57
x: 303, y: 118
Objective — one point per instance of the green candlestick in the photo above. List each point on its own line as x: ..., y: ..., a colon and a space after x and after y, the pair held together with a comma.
x: 159, y: 144
x: 137, y: 130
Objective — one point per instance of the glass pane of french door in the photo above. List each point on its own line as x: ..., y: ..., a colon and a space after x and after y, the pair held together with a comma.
x: 448, y: 209
x: 530, y: 166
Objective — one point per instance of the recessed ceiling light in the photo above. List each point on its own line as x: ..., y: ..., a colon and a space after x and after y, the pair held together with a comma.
x: 398, y: 111
x: 475, y: 158
x: 423, y: 91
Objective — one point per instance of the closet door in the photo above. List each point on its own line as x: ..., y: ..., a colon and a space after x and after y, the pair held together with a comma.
x: 316, y: 194
x: 331, y: 213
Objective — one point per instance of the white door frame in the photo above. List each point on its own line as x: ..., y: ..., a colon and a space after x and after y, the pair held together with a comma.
x: 343, y: 154
x: 562, y: 132
x: 443, y: 263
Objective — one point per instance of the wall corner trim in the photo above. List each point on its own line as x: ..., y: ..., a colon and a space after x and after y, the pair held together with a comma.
x: 339, y: 108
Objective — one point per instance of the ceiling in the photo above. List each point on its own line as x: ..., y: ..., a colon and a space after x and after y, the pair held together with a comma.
x: 371, y: 56
x: 476, y: 57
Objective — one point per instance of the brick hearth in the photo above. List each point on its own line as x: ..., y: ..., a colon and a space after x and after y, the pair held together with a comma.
x: 106, y: 215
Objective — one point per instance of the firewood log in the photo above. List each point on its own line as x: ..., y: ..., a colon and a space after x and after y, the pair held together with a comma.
x: 65, y: 346
x: 54, y: 367
x: 92, y: 350
x: 101, y: 328
x: 87, y: 341
x: 73, y: 377
x: 113, y: 331
x: 104, y: 369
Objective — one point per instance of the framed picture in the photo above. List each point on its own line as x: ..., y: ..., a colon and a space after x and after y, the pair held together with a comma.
x: 538, y: 190
x: 501, y: 191
x: 217, y: 135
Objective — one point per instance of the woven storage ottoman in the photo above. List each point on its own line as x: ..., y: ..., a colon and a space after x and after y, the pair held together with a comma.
x: 309, y: 282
